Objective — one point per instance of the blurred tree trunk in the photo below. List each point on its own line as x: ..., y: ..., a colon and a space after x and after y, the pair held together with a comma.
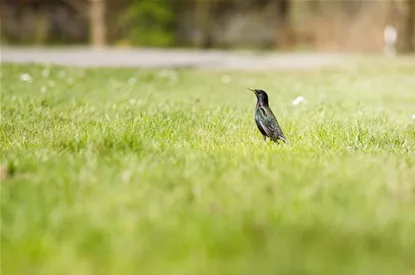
x: 284, y: 7
x: 410, y: 26
x: 203, y: 10
x: 97, y: 24
x: 315, y: 6
x: 284, y: 30
x: 41, y: 29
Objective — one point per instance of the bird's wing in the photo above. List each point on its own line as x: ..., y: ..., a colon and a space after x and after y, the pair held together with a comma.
x: 270, y: 125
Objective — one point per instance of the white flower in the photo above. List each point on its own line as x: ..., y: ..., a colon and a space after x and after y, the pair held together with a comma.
x: 46, y: 72
x: 43, y: 90
x: 62, y: 74
x: 163, y: 73
x: 226, y: 79
x: 298, y: 100
x: 132, y: 80
x: 173, y: 76
x: 126, y: 176
x: 169, y: 74
x: 413, y: 116
x: 132, y: 101
x: 26, y: 77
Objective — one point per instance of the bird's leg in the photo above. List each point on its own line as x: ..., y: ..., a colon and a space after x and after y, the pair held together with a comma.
x: 265, y: 138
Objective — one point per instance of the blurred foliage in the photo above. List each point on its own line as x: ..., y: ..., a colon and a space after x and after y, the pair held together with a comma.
x: 150, y: 23
x: 342, y: 25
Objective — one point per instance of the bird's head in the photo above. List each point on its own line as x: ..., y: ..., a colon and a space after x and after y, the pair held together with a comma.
x: 261, y: 95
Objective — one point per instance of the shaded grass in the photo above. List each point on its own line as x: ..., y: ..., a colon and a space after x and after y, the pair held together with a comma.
x: 155, y: 172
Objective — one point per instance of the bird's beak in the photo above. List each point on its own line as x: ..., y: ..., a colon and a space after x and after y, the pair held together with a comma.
x: 252, y: 90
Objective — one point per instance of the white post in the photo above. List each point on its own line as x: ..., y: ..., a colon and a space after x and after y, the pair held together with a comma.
x: 390, y: 36
x: 97, y: 23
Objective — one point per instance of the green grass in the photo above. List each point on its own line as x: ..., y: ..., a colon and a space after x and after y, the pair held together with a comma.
x: 168, y: 174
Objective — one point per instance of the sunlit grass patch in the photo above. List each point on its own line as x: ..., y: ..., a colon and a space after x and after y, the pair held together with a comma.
x: 120, y: 171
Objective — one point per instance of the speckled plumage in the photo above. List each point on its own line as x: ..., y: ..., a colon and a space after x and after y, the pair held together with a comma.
x: 265, y: 119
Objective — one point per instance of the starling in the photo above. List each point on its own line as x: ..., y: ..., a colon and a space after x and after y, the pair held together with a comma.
x: 265, y: 119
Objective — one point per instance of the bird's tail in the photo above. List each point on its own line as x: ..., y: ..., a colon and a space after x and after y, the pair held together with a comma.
x: 283, y: 138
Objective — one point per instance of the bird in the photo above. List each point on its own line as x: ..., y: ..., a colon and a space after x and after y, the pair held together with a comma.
x: 265, y: 119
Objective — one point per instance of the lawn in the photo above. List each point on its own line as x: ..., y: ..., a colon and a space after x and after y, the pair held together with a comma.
x: 122, y: 171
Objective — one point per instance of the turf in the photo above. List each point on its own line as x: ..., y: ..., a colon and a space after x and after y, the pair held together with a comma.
x: 120, y: 171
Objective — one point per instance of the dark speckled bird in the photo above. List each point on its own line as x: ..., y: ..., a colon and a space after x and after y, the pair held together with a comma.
x: 265, y: 118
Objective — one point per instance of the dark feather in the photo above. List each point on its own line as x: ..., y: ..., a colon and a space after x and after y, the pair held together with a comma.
x: 265, y: 119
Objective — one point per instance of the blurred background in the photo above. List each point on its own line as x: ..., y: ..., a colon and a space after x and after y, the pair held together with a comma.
x: 285, y: 25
